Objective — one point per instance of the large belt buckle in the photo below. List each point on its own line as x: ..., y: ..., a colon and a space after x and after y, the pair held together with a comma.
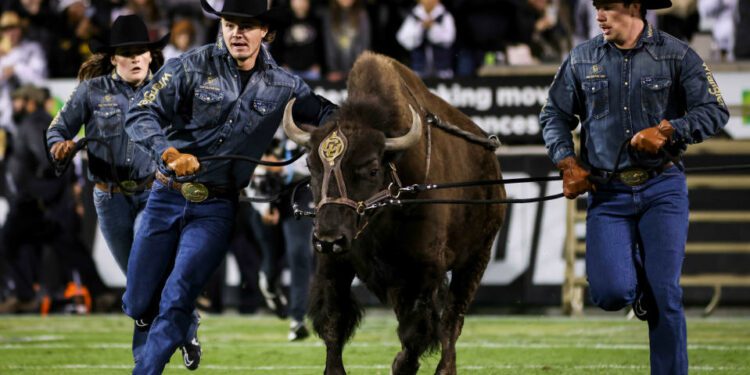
x: 194, y: 191
x: 634, y: 176
x: 128, y: 187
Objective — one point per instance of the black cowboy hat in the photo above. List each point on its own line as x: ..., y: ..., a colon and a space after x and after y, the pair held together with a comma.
x: 127, y: 31
x: 257, y: 9
x: 647, y: 4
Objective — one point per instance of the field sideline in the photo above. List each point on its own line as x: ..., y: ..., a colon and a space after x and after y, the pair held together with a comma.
x: 100, y: 344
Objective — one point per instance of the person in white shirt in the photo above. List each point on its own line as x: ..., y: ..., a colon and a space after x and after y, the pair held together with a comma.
x: 21, y: 62
x: 428, y: 32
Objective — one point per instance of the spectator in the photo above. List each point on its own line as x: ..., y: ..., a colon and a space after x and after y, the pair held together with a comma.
x: 681, y: 20
x: 21, y: 62
x: 429, y: 32
x: 299, y: 45
x: 149, y: 13
x: 484, y: 28
x: 742, y: 45
x: 547, y: 38
x: 346, y: 27
x: 43, y: 205
x: 722, y: 15
x: 182, y: 39
x: 296, y: 246
x: 73, y: 32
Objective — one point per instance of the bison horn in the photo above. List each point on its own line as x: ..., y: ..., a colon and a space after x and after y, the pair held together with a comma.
x: 291, y: 129
x: 409, y: 139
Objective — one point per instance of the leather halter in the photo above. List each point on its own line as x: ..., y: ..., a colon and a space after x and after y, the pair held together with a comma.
x: 330, y: 151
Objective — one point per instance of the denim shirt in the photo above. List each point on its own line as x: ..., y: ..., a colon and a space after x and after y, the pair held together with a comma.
x: 617, y: 93
x: 100, y: 104
x: 194, y: 104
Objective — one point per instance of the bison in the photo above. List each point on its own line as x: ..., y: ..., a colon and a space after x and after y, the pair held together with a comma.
x: 403, y: 254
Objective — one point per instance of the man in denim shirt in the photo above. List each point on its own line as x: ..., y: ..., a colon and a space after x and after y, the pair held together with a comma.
x: 121, y: 171
x: 638, y: 85
x: 219, y: 99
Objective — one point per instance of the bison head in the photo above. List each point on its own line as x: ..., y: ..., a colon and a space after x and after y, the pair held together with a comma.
x: 348, y: 165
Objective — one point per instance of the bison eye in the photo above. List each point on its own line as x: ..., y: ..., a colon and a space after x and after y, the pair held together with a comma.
x: 374, y: 172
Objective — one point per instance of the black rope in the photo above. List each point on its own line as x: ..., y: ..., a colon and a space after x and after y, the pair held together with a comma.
x: 473, y: 201
x: 62, y: 165
x: 282, y: 163
x: 491, y: 142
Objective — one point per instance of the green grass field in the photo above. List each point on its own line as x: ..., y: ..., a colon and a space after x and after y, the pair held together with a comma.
x: 257, y: 345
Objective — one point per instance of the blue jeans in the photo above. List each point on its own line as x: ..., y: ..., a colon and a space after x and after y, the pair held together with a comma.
x: 298, y: 245
x: 635, y: 243
x: 177, y: 248
x: 119, y: 217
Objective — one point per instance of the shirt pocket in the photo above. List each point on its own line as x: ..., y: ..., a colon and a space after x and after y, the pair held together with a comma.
x: 655, y: 95
x: 108, y: 122
x: 259, y: 110
x: 206, y: 108
x: 597, y: 97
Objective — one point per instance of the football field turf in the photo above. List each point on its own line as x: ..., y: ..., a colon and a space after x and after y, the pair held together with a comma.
x: 100, y: 344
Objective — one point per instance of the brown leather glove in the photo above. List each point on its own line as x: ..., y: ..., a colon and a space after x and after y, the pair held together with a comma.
x: 181, y: 164
x: 61, y: 150
x: 652, y: 139
x: 575, y: 178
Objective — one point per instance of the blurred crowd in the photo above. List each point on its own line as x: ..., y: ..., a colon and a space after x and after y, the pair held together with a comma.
x: 41, y: 39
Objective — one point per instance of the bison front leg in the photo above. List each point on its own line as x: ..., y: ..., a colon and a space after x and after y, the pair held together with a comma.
x: 464, y: 284
x: 334, y: 312
x: 418, y: 316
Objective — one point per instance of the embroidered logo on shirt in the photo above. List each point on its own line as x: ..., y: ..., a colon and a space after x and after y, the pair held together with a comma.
x: 150, y: 95
x: 107, y: 102
x: 597, y: 71
x: 713, y: 88
x: 211, y: 84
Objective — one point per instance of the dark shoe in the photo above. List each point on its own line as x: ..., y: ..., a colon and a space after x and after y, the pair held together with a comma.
x: 640, y: 308
x: 297, y: 331
x: 275, y: 299
x: 191, y: 354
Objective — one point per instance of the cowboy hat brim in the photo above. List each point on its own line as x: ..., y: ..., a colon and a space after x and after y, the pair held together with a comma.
x: 272, y: 17
x: 97, y: 46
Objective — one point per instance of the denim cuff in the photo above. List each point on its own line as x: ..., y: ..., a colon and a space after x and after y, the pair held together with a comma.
x: 562, y: 153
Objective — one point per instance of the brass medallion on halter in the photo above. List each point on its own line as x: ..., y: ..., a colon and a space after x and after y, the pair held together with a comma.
x: 128, y: 186
x: 332, y: 147
x: 194, y: 191
x: 634, y: 176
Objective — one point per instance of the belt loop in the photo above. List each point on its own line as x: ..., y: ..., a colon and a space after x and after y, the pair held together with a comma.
x: 109, y: 189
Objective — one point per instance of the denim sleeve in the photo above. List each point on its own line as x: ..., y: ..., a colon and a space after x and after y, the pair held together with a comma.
x: 706, y: 111
x: 155, y: 108
x: 557, y: 118
x: 310, y: 108
x: 71, y: 117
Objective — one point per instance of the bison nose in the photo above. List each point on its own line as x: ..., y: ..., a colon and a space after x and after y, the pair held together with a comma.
x: 329, y: 244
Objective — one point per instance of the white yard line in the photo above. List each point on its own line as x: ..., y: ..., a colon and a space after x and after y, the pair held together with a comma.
x: 372, y: 367
x: 318, y: 344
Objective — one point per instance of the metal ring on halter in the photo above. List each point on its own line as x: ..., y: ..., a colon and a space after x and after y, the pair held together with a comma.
x: 361, y: 208
x: 390, y: 190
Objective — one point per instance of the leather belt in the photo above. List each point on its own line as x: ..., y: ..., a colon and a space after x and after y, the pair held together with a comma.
x: 634, y: 176
x: 195, y: 192
x: 132, y: 186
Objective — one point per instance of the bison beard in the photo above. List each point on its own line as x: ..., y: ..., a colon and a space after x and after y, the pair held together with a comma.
x: 402, y: 254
